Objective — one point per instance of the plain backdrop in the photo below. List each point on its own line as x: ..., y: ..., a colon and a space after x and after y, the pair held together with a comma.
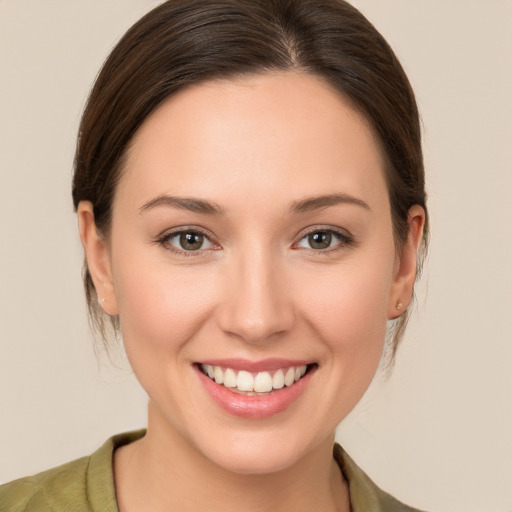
x: 438, y: 432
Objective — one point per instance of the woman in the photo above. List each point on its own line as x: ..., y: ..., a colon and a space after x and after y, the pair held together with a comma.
x: 250, y: 194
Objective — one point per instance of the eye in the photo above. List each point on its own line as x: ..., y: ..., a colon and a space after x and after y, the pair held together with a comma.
x: 324, y: 240
x: 187, y: 241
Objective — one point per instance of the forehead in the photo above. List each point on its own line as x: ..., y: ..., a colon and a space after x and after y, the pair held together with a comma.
x: 270, y: 135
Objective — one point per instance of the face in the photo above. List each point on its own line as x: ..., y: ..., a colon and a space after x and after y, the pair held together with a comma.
x: 251, y: 261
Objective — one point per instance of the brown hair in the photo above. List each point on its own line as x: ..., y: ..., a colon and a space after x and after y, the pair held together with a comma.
x: 183, y: 42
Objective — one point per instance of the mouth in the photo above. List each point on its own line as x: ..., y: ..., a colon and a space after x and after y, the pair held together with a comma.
x: 261, y: 383
x: 255, y: 389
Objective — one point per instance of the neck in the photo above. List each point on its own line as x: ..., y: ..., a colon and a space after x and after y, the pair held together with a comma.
x: 164, y: 471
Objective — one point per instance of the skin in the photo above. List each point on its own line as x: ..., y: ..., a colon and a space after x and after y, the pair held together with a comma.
x: 256, y: 289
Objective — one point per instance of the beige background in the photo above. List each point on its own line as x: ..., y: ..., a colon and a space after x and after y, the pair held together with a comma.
x: 438, y: 434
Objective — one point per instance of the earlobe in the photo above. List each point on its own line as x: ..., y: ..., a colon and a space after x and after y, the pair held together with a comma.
x: 98, y: 259
x: 407, y: 264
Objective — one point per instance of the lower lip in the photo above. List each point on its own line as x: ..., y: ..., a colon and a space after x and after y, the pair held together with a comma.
x: 254, y: 406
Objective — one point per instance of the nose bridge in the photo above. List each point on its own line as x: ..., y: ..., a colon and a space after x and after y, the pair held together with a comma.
x: 255, y: 304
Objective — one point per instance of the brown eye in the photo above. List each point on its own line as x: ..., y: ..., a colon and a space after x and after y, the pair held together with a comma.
x: 325, y: 240
x: 191, y: 241
x: 320, y: 240
x: 186, y: 241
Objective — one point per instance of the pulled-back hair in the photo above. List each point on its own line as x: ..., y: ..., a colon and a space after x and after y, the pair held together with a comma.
x: 185, y: 42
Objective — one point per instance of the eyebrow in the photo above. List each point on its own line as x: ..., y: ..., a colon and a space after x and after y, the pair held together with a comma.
x: 210, y: 208
x: 319, y: 202
x: 184, y: 203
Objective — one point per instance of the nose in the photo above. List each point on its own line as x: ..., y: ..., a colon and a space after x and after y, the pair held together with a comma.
x: 256, y: 304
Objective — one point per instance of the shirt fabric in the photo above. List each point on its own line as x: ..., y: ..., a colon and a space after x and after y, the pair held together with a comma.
x: 87, y: 485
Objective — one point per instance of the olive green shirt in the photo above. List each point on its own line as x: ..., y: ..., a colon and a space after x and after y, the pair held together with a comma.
x: 87, y: 485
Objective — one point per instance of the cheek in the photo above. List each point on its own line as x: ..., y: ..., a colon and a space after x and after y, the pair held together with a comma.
x: 344, y: 310
x: 160, y: 305
x: 348, y: 307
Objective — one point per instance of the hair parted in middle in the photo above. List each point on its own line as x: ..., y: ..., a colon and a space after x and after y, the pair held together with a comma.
x: 185, y: 42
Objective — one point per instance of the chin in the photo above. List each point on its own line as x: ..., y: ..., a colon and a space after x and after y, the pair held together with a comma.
x: 255, y: 453
x: 247, y: 461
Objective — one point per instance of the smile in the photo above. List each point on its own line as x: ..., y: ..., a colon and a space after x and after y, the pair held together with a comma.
x: 254, y: 383
x: 255, y: 390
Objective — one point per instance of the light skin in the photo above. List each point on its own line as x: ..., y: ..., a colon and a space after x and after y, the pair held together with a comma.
x: 259, y: 169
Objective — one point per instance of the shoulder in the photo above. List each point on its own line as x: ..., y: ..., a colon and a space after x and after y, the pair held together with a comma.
x: 83, y: 485
x: 365, y: 495
x: 48, y: 491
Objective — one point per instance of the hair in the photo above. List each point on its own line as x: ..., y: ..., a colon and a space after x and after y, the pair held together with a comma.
x: 185, y: 42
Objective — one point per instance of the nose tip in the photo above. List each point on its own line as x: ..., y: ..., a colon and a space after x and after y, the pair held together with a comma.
x: 257, y: 325
x: 256, y: 306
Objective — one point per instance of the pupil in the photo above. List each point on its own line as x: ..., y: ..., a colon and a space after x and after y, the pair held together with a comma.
x: 191, y: 241
x: 320, y: 240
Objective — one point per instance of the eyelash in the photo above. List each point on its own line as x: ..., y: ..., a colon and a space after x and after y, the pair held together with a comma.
x: 344, y: 240
x: 167, y: 237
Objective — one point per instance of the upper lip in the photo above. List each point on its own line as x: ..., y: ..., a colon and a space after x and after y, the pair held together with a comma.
x: 256, y: 366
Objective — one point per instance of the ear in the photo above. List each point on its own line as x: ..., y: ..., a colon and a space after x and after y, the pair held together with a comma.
x: 406, y: 264
x: 98, y: 258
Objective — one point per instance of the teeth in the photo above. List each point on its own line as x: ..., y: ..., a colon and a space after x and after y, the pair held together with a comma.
x: 230, y: 378
x: 245, y: 381
x: 262, y: 382
x: 289, y: 378
x: 278, y: 379
x: 218, y: 375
